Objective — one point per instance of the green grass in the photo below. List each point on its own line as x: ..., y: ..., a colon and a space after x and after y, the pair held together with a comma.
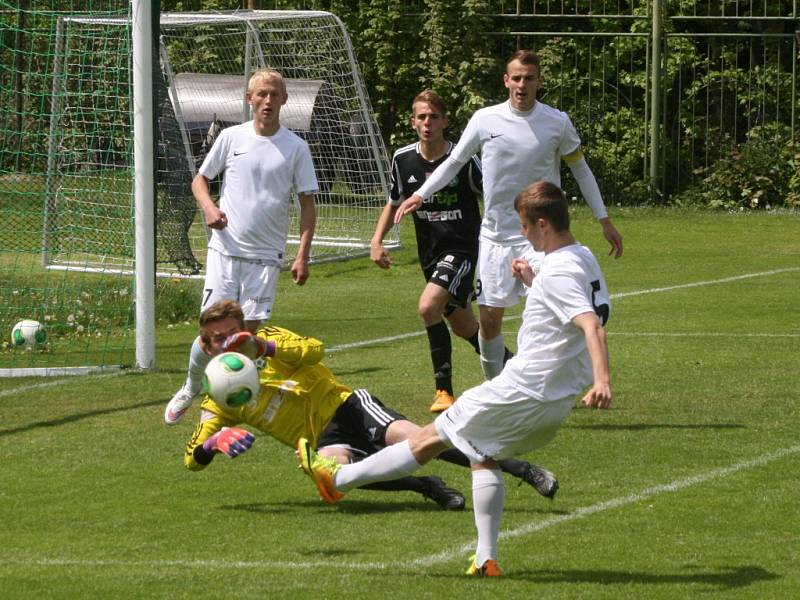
x: 96, y: 502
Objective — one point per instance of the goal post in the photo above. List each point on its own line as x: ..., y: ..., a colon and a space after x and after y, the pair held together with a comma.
x: 89, y: 228
x: 206, y: 60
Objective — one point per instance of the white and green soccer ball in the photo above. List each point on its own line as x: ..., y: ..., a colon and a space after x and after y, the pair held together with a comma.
x: 28, y: 334
x: 231, y: 379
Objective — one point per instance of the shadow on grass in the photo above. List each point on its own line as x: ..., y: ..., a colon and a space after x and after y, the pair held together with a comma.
x: 349, y: 507
x: 725, y: 577
x: 79, y: 417
x: 646, y: 426
x: 345, y: 372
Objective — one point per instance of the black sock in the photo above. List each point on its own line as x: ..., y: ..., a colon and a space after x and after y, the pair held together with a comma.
x: 473, y: 341
x: 511, y: 466
x: 454, y: 456
x: 410, y: 484
x: 508, y: 354
x: 441, y: 355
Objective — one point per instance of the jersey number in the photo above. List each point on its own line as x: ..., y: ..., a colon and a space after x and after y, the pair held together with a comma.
x: 601, y: 310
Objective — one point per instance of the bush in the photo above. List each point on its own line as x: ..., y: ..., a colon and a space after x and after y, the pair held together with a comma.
x: 762, y: 173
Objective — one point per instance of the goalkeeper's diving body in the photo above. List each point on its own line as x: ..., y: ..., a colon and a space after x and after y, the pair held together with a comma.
x: 301, y: 398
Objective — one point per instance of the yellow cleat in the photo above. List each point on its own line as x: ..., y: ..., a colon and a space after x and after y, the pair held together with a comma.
x: 442, y: 401
x: 487, y: 569
x: 320, y: 469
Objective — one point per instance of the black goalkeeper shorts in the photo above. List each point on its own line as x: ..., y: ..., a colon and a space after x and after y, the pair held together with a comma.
x: 360, y: 424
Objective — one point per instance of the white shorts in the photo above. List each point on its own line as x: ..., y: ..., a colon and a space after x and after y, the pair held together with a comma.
x: 495, y: 420
x: 251, y: 282
x: 496, y: 285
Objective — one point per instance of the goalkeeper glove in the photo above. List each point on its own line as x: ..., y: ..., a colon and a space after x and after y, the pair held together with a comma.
x: 230, y: 440
x: 248, y: 344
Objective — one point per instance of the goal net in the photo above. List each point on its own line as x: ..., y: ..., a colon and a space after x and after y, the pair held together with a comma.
x: 66, y: 159
x: 206, y: 61
x: 87, y: 316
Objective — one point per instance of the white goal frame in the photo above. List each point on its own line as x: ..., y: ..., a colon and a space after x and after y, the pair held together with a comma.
x: 333, y: 245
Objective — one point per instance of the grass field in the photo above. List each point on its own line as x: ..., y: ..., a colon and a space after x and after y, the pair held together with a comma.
x: 687, y: 487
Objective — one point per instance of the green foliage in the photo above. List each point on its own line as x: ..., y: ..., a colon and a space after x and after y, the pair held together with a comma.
x: 458, y: 62
x: 762, y: 173
x: 716, y: 86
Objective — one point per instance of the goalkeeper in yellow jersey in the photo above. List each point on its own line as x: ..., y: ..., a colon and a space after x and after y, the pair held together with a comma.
x: 301, y: 398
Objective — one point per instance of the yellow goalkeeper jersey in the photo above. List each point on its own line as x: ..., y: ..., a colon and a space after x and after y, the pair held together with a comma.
x: 299, y: 396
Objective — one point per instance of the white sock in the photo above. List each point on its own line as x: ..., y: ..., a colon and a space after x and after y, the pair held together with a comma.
x: 492, y: 353
x: 198, y: 361
x: 392, y: 462
x: 488, y: 497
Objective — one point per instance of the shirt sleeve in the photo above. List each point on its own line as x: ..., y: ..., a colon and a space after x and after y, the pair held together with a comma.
x: 469, y: 144
x: 195, y: 458
x: 476, y: 175
x: 570, y: 140
x: 395, y: 191
x: 293, y: 349
x: 305, y: 177
x: 217, y: 156
x: 565, y: 295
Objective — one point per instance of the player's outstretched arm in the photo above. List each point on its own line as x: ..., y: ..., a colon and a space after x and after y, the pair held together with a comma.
x: 230, y: 441
x: 408, y: 205
x: 248, y: 344
x: 196, y: 458
x: 599, y: 395
x: 291, y: 348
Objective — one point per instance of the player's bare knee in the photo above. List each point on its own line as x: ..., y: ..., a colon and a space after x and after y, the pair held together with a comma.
x: 429, y: 312
x: 342, y: 455
x: 426, y: 444
x: 400, y: 430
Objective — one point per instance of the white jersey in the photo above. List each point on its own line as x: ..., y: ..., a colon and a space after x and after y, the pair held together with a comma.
x: 516, y: 149
x: 262, y: 175
x: 552, y: 361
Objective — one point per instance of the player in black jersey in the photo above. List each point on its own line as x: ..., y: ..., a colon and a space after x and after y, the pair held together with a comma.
x: 447, y: 227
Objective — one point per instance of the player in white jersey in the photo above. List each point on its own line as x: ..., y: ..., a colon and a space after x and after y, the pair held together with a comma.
x: 520, y: 141
x: 265, y: 165
x: 562, y: 349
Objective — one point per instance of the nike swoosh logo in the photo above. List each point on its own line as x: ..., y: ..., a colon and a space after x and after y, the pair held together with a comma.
x: 238, y: 153
x: 494, y: 135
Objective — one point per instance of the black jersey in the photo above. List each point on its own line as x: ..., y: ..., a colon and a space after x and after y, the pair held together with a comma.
x: 450, y: 220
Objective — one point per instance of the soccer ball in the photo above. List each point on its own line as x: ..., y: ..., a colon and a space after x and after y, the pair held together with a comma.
x: 231, y: 379
x: 28, y: 334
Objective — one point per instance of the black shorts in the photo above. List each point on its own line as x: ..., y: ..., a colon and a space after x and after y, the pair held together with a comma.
x: 360, y: 424
x: 455, y: 273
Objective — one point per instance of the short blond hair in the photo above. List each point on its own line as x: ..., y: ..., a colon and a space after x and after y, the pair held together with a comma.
x: 266, y: 76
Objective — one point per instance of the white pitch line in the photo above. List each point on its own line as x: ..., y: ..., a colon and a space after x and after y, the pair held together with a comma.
x: 55, y: 382
x: 446, y: 555
x: 403, y: 336
x: 703, y: 334
x: 707, y: 282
